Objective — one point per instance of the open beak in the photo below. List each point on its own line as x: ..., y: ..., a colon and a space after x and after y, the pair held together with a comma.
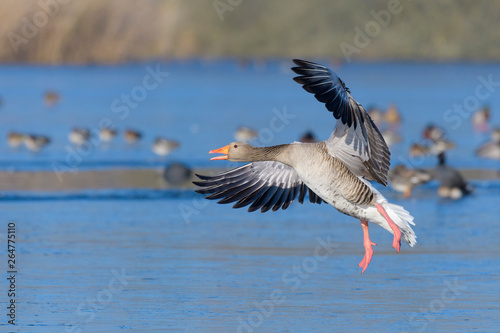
x: 223, y: 150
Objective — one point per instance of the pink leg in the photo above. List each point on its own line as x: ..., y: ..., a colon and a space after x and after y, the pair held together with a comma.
x: 368, y: 246
x: 396, y: 243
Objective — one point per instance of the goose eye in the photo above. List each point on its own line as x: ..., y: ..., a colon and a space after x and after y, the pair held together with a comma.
x: 235, y: 146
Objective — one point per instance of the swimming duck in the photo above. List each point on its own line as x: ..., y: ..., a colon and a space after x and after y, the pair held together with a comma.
x: 434, y: 133
x: 451, y: 183
x: 177, y: 173
x: 107, y: 134
x: 392, y: 116
x: 308, y: 137
x: 245, y: 134
x: 404, y: 180
x: 51, y: 98
x: 15, y: 139
x: 377, y: 115
x: 36, y: 142
x: 491, y: 149
x: 480, y: 119
x: 163, y: 147
x: 131, y: 136
x: 391, y: 137
x: 79, y: 136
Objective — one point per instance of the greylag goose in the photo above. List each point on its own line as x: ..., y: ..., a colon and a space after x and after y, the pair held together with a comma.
x: 163, y: 147
x: 491, y: 149
x: 245, y: 134
x: 79, y: 136
x: 335, y: 171
x: 404, y: 180
x: 451, y: 183
x: 36, y: 142
x: 131, y: 136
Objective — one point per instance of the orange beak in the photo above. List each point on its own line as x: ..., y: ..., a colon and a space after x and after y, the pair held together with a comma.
x: 223, y: 150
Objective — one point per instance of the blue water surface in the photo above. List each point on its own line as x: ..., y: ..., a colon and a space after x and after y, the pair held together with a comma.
x: 201, y: 103
x: 170, y: 261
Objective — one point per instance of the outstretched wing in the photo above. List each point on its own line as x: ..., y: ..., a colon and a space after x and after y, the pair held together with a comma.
x: 356, y: 140
x: 264, y: 185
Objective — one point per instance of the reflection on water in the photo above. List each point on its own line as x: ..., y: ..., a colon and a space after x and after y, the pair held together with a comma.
x: 173, y: 262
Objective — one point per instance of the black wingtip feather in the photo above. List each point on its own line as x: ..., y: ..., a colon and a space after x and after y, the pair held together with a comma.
x: 202, y: 177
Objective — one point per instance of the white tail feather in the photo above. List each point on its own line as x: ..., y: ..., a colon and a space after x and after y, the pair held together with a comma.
x: 403, y: 219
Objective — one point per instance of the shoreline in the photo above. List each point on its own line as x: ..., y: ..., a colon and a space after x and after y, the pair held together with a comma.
x: 50, y: 181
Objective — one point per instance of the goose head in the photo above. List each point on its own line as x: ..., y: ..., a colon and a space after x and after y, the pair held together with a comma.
x: 235, y: 152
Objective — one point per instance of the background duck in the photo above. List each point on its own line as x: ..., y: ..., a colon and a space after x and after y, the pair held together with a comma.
x: 163, y: 147
x: 491, y: 149
x: 403, y: 179
x: 107, y: 134
x: 480, y: 119
x: 177, y: 174
x: 15, y: 139
x: 51, y: 98
x: 434, y: 133
x: 245, y: 134
x: 436, y: 142
x: 451, y: 183
x: 377, y: 115
x: 132, y: 136
x: 78, y: 136
x: 392, y: 116
x: 417, y: 149
x: 391, y: 137
x: 308, y: 137
x: 36, y: 142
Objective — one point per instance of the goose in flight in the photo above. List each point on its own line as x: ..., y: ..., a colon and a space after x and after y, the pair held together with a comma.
x: 336, y: 171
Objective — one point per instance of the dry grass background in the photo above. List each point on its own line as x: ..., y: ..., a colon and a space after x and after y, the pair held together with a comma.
x: 112, y: 31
